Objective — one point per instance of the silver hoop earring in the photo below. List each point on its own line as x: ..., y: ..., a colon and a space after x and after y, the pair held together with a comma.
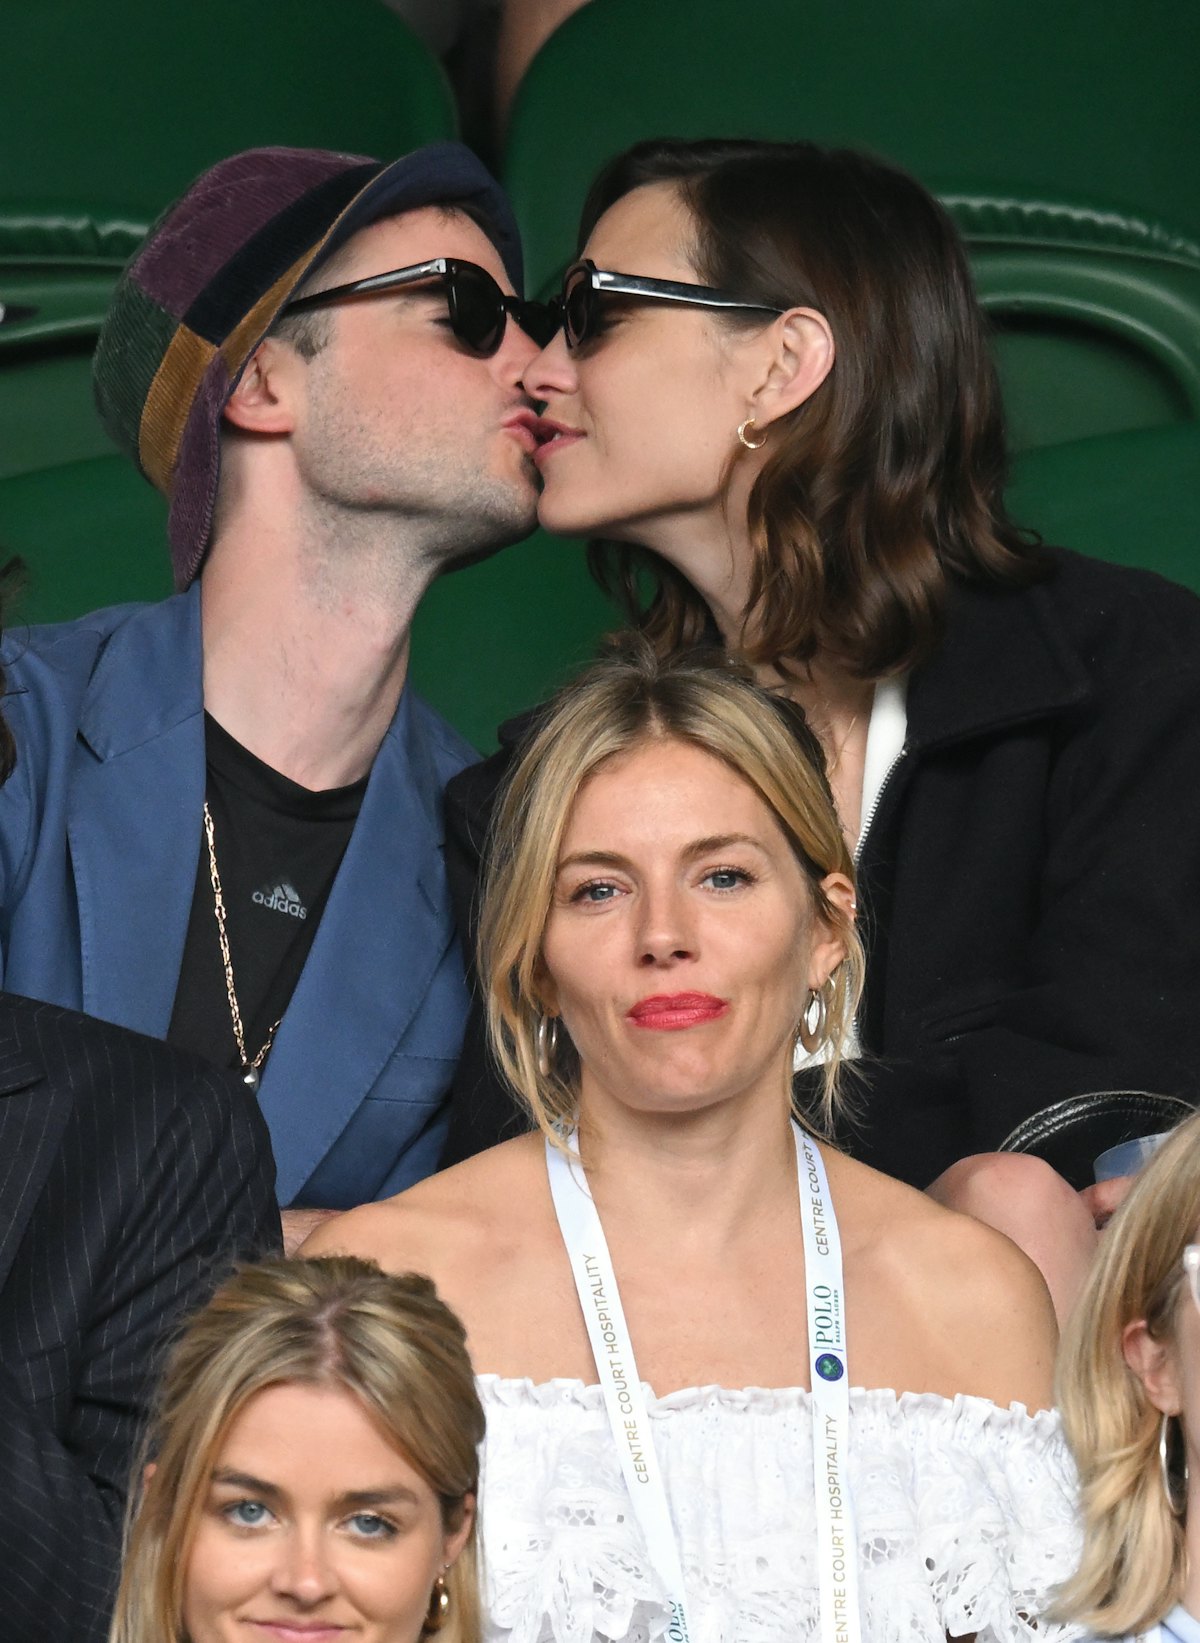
x: 814, y: 1023
x: 546, y: 1043
x: 1173, y: 1488
x: 744, y: 437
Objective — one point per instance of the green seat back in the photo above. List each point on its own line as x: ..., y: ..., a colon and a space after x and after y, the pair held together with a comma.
x: 1061, y: 134
x: 91, y: 533
x: 1133, y: 498
x: 106, y: 116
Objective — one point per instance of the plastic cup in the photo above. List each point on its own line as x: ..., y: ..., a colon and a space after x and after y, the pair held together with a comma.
x: 1128, y: 1157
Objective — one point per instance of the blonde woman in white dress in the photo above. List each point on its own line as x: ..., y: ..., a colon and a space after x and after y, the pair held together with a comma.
x: 670, y: 905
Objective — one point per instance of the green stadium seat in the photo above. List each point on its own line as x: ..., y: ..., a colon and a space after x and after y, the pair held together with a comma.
x: 106, y: 117
x: 91, y: 533
x: 1061, y: 137
x: 1133, y: 498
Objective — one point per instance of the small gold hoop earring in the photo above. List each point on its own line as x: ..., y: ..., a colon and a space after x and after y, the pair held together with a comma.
x: 814, y: 1023
x: 545, y: 1043
x: 744, y: 437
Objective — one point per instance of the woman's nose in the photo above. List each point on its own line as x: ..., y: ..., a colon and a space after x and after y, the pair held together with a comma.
x: 305, y: 1571
x: 551, y: 371
x: 665, y: 933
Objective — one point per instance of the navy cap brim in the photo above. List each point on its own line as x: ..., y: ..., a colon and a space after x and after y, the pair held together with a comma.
x: 438, y: 174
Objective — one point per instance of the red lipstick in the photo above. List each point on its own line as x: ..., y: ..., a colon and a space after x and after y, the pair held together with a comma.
x: 669, y: 1012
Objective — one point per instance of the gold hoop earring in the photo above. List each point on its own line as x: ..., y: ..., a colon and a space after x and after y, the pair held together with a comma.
x: 439, y: 1607
x: 1174, y: 1487
x: 744, y: 437
x: 813, y: 1031
x: 545, y: 1043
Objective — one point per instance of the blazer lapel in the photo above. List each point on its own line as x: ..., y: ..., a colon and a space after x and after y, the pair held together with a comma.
x: 382, y: 935
x: 32, y: 1116
x: 135, y: 812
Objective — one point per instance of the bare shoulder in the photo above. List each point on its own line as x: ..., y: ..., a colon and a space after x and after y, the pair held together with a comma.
x: 463, y: 1216
x: 966, y: 1296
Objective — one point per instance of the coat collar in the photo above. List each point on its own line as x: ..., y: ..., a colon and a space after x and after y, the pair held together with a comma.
x: 1004, y: 659
x: 149, y: 679
x: 366, y: 976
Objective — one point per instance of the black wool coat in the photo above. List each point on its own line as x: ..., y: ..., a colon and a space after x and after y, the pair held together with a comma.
x: 1029, y: 884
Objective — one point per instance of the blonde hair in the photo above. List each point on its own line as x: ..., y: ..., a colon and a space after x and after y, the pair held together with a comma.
x: 621, y: 703
x: 388, y: 1341
x: 1133, y: 1563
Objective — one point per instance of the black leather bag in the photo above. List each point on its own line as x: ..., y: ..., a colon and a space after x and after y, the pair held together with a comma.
x: 1071, y: 1134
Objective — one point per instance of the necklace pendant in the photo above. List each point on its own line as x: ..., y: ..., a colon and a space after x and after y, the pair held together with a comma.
x: 250, y: 1078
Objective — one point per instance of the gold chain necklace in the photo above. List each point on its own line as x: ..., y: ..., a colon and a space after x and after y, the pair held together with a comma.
x: 250, y: 1068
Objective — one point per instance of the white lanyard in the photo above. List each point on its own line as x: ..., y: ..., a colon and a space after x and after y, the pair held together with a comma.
x: 596, y: 1284
x: 612, y: 1349
x: 837, y: 1546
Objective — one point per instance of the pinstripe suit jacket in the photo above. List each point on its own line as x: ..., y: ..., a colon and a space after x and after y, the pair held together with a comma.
x: 129, y: 1174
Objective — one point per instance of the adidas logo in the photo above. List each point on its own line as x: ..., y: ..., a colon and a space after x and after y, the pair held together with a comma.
x: 281, y: 898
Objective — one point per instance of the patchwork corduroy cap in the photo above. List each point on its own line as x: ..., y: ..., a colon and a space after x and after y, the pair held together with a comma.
x: 209, y: 280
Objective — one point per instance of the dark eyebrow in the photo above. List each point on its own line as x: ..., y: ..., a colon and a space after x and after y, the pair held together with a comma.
x: 698, y: 847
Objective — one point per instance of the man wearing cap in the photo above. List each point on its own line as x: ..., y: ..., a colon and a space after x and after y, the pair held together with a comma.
x: 224, y: 829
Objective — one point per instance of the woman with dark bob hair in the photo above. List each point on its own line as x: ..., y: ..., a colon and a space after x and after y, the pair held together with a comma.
x: 772, y: 403
x: 312, y: 1467
x: 740, y: 1388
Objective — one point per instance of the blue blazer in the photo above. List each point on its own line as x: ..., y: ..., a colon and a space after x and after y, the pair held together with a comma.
x: 100, y: 828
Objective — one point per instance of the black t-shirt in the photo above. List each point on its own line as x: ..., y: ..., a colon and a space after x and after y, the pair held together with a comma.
x: 278, y: 849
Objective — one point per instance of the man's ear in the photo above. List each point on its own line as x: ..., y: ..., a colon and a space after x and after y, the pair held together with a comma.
x: 1155, y: 1363
x: 263, y: 401
x: 801, y: 359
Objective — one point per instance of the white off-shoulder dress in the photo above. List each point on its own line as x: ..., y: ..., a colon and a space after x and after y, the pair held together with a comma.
x: 966, y: 1517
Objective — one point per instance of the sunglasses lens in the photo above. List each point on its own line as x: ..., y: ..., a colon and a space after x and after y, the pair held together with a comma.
x: 476, y: 309
x: 578, y: 306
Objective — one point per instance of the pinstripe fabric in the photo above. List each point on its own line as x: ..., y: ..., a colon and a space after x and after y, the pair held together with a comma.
x: 129, y: 1176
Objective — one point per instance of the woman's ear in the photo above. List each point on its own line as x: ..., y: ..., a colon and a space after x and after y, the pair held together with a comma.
x: 802, y: 358
x: 457, y: 1538
x: 263, y: 401
x: 1155, y: 1364
x: 829, y: 948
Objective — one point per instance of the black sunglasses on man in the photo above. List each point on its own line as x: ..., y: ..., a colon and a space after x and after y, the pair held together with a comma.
x: 478, y: 308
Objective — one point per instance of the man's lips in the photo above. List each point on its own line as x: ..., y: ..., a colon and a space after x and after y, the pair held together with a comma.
x: 522, y: 425
x: 668, y: 1012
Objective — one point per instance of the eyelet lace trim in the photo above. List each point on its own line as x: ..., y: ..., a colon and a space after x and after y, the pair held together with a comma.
x: 966, y: 1517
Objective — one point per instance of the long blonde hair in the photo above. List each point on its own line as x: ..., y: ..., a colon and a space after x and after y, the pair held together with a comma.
x: 388, y: 1341
x: 1133, y: 1565
x: 623, y: 702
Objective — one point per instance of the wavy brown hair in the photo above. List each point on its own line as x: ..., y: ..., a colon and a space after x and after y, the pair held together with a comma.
x: 888, y: 481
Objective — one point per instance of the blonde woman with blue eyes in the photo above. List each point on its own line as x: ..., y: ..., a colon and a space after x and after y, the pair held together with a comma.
x: 313, y: 1468
x: 740, y: 1388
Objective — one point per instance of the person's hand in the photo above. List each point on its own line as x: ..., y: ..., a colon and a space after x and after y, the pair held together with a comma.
x: 1106, y: 1197
x: 298, y: 1223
